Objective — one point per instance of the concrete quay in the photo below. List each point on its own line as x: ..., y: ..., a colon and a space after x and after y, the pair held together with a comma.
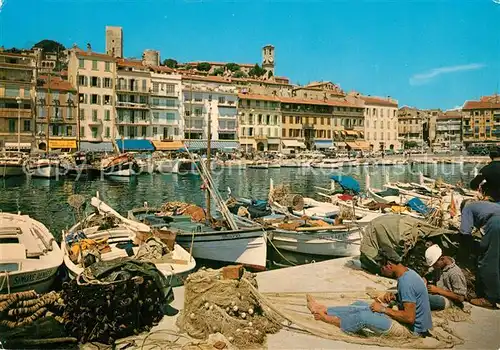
x: 335, y: 275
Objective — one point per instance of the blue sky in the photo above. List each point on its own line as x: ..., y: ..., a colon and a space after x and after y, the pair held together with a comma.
x: 429, y: 54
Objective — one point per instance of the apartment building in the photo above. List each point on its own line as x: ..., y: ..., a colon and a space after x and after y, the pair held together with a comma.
x: 449, y: 130
x: 413, y: 127
x: 133, y: 113
x: 56, y: 114
x: 381, y: 123
x: 319, y: 90
x: 481, y: 121
x: 94, y: 76
x: 165, y: 103
x: 17, y: 91
x: 259, y: 125
x: 348, y: 124
x: 210, y: 101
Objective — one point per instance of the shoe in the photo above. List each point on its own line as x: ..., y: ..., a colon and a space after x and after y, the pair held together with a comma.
x: 482, y: 302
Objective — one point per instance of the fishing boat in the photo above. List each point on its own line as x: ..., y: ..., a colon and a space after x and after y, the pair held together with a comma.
x: 121, y: 165
x: 44, y: 168
x: 184, y: 167
x: 390, y: 195
x: 29, y: 254
x: 246, y: 245
x: 109, y: 236
x: 11, y: 163
x: 259, y: 165
x: 81, y: 166
x: 327, y: 164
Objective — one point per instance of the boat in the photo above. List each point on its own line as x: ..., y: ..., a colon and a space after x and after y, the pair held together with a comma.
x: 390, y: 195
x: 47, y: 168
x: 113, y: 236
x: 272, y: 165
x: 246, y: 246
x: 328, y: 164
x: 184, y: 166
x: 12, y: 163
x: 259, y: 165
x: 121, y: 165
x: 29, y: 254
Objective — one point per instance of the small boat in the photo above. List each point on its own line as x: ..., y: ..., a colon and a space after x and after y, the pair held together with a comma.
x: 121, y: 165
x: 47, y: 168
x: 273, y: 165
x: 111, y: 236
x: 29, y: 254
x: 328, y: 164
x: 390, y: 195
x: 184, y: 167
x: 12, y: 163
x: 259, y: 165
x: 246, y: 246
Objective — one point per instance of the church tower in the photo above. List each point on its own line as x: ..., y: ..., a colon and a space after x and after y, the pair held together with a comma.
x: 268, y: 60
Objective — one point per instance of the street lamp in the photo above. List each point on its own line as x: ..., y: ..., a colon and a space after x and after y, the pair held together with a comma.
x: 18, y: 100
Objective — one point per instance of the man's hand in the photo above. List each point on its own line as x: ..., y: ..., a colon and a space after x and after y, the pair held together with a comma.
x: 387, y: 298
x: 319, y: 316
x: 432, y: 289
x: 377, y: 307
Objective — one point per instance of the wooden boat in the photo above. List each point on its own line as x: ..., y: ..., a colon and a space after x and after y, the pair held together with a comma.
x: 328, y: 164
x: 121, y: 240
x: 29, y: 254
x: 386, y: 197
x: 12, y: 164
x: 184, y: 167
x: 47, y: 168
x: 246, y: 246
x: 81, y: 167
x: 259, y: 165
x: 121, y: 165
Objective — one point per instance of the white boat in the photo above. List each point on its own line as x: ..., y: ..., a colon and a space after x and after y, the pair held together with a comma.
x: 273, y: 165
x: 122, y: 165
x: 175, y: 265
x: 29, y: 254
x: 328, y: 164
x: 184, y: 167
x: 384, y: 196
x: 44, y: 168
x: 11, y: 164
x: 259, y: 165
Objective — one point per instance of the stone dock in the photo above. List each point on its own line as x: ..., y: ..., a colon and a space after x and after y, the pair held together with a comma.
x: 331, y: 276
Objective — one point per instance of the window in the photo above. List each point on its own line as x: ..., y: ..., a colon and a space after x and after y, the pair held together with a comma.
x: 82, y: 131
x: 257, y: 103
x: 27, y: 125
x: 143, y: 115
x: 95, y: 99
x: 108, y: 132
x: 335, y: 121
x: 170, y: 103
x: 367, y: 123
x: 69, y: 113
x: 69, y: 130
x: 94, y: 132
x: 156, y: 116
x: 328, y: 121
x: 94, y: 115
x: 107, y: 115
x: 107, y: 99
x: 12, y: 91
x: 143, y: 131
x: 143, y: 99
x: 81, y: 63
x: 107, y: 66
x: 94, y: 65
x: 121, y: 130
x: 297, y: 120
x: 107, y: 83
x: 95, y: 82
x: 155, y: 102
x: 144, y: 85
x: 374, y: 124
x: 170, y: 88
x: 170, y: 117
x: 82, y: 98
x: 12, y: 125
x: 265, y: 104
x: 222, y: 99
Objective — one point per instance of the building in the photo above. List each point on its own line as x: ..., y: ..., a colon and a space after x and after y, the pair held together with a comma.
x: 414, y: 127
x: 17, y: 92
x: 481, y: 121
x: 318, y: 90
x: 93, y: 74
x: 449, y: 130
x: 56, y: 114
x: 259, y: 122
x: 381, y: 123
x: 268, y: 60
x: 114, y: 41
x: 165, y: 103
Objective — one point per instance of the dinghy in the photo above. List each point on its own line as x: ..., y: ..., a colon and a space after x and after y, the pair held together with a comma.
x: 11, y: 164
x: 29, y: 254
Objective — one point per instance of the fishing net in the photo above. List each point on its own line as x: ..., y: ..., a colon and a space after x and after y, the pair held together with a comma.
x: 196, y: 213
x: 231, y: 307
x: 282, y: 194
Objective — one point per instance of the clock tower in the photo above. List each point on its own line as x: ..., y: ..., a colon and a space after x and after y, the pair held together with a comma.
x: 268, y: 59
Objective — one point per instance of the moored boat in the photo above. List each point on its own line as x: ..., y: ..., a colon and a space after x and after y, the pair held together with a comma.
x: 12, y: 164
x: 121, y: 165
x: 44, y: 168
x: 29, y: 254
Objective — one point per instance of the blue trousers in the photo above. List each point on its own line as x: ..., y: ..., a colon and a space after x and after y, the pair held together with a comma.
x: 437, y: 302
x: 358, y: 316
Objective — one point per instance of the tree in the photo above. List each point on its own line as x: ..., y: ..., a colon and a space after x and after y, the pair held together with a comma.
x: 218, y: 71
x: 50, y: 46
x: 233, y: 67
x: 257, y: 71
x: 170, y: 63
x: 204, y: 66
x: 410, y: 144
x: 239, y: 74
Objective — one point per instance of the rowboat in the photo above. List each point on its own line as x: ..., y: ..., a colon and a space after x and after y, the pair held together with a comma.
x: 121, y: 165
x: 44, y: 168
x: 29, y: 254
x: 11, y: 164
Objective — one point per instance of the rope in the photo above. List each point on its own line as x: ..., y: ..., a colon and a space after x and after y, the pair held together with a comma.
x: 278, y: 251
x: 6, y: 279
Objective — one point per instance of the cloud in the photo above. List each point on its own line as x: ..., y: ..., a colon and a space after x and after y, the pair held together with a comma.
x: 424, y: 78
x: 1, y: 4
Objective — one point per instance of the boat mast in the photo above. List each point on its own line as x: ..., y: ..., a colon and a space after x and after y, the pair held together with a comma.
x: 209, y: 141
x: 48, y: 117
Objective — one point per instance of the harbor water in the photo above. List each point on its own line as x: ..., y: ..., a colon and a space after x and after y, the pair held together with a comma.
x: 46, y: 200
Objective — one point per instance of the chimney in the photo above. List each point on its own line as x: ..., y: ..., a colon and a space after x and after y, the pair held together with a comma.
x: 89, y: 47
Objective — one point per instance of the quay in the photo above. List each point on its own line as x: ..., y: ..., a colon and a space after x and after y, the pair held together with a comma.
x: 328, y: 276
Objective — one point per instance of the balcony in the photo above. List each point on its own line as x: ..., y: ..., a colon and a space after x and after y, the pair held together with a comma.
x: 194, y: 128
x: 164, y: 121
x: 139, y: 122
x: 13, y: 113
x: 194, y: 102
x: 132, y: 105
x: 92, y: 138
x: 227, y: 103
x: 164, y: 93
x: 132, y: 89
x: 161, y: 107
x: 95, y: 122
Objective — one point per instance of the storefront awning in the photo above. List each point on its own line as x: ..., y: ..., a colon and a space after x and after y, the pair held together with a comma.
x: 60, y: 144
x: 273, y: 141
x: 216, y: 144
x: 358, y: 145
x: 134, y: 145
x: 96, y: 146
x: 293, y: 143
x: 13, y: 145
x: 168, y: 145
x: 351, y: 133
x: 323, y: 143
x: 361, y: 134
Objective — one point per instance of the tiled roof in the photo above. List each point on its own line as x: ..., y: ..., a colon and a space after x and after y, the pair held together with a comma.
x: 243, y: 96
x: 378, y: 101
x: 246, y: 65
x: 80, y: 52
x: 336, y: 103
x: 481, y: 105
x: 164, y: 69
x: 211, y: 78
x: 130, y: 63
x: 261, y: 81
x: 56, y: 83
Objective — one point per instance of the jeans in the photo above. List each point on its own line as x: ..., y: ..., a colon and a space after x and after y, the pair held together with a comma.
x: 437, y: 302
x: 358, y: 315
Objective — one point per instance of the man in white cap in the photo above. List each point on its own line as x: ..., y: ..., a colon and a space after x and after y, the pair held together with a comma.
x: 451, y: 285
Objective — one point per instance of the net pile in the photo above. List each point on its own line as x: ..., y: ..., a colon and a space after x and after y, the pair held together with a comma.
x: 196, y: 213
x: 232, y: 307
x: 282, y: 194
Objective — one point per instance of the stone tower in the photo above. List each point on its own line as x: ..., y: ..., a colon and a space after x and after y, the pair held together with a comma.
x: 114, y: 41
x: 268, y: 59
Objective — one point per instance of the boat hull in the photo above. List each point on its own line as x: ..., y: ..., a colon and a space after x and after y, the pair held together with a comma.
x: 11, y: 170
x: 38, y: 280
x: 47, y: 171
x: 248, y: 248
x: 126, y: 169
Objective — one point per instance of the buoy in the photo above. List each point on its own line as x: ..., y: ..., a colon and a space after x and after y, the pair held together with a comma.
x: 243, y: 315
x: 250, y: 311
x: 235, y: 308
x: 250, y: 324
x: 192, y: 316
x: 207, y: 305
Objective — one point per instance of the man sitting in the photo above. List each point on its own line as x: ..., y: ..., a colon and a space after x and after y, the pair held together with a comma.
x: 412, y: 298
x: 451, y: 285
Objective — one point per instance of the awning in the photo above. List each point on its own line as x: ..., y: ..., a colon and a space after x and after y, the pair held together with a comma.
x: 273, y: 141
x: 215, y: 144
x: 134, y: 145
x: 358, y: 145
x: 96, y: 146
x: 62, y: 144
x: 323, y: 143
x: 168, y: 145
x: 13, y: 145
x: 361, y: 134
x: 293, y: 143
x: 351, y: 133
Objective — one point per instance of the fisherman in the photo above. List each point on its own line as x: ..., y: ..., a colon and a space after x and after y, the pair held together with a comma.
x: 488, y: 179
x: 412, y: 299
x: 451, y: 287
x: 486, y: 216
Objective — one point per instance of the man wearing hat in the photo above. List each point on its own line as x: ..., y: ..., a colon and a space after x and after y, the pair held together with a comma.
x: 451, y: 285
x: 488, y: 179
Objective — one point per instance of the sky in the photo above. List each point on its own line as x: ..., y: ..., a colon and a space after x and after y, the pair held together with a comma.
x: 427, y: 54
